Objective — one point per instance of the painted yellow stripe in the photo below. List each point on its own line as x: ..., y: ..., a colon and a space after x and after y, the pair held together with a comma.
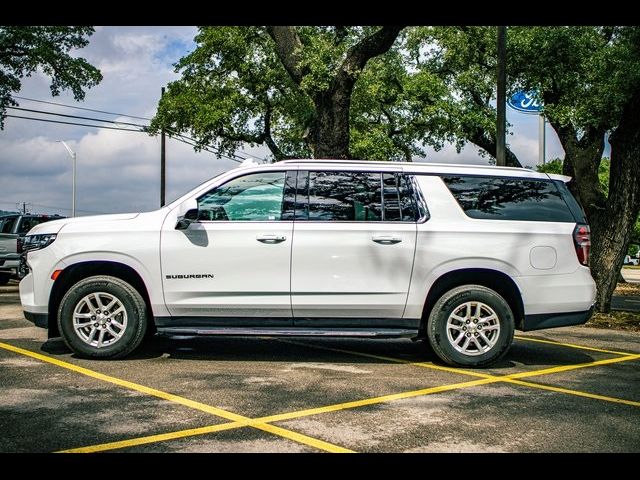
x: 573, y: 392
x: 567, y: 368
x: 429, y: 365
x: 275, y: 418
x: 487, y: 379
x: 571, y: 345
x: 153, y: 438
x: 376, y: 400
x: 243, y: 421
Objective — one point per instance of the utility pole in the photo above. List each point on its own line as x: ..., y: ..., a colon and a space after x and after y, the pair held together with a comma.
x: 24, y: 208
x: 163, y: 164
x: 501, y: 127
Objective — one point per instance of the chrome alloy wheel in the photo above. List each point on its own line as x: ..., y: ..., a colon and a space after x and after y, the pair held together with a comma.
x: 473, y: 328
x: 99, y: 319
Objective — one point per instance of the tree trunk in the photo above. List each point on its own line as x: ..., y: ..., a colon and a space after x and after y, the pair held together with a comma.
x: 611, y: 219
x: 329, y: 136
x: 615, y: 224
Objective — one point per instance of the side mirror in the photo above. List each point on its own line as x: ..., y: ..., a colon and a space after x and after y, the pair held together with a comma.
x: 188, y: 218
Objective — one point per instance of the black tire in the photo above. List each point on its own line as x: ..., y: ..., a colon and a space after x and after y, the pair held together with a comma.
x: 4, y: 278
x: 448, y: 304
x: 133, y: 303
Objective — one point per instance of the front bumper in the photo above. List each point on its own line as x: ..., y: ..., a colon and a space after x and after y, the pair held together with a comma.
x: 553, y: 320
x: 38, y: 314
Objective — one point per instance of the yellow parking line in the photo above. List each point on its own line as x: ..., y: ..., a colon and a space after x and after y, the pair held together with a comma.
x: 567, y: 368
x: 571, y: 345
x: 153, y: 438
x: 263, y: 423
x: 486, y: 379
x: 573, y: 392
x: 276, y: 418
x: 244, y: 421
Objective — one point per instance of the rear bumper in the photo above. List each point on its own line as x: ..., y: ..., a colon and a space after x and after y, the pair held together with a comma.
x: 553, y: 320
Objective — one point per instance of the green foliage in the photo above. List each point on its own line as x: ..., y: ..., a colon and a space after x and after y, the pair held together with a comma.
x: 23, y: 49
x: 234, y: 89
x: 585, y: 74
x: 633, y: 249
x: 552, y: 166
x: 555, y: 166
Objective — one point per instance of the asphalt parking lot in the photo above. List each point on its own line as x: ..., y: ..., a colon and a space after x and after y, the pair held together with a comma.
x: 564, y: 390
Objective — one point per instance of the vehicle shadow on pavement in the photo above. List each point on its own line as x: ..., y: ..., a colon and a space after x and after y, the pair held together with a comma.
x: 268, y: 349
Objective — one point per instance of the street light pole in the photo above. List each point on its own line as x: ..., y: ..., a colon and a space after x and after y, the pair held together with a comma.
x: 73, y: 192
x: 501, y: 105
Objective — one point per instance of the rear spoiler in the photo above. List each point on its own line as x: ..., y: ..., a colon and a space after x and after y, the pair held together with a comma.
x: 555, y: 176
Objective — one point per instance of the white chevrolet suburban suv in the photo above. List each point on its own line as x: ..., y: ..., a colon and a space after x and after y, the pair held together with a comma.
x: 460, y: 255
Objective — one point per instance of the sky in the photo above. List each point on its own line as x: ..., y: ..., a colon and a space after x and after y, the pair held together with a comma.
x: 119, y: 171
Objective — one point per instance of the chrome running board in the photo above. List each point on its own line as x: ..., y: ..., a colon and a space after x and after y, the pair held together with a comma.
x: 290, y: 332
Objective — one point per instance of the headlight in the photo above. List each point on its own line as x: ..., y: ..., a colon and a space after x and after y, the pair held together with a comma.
x: 37, y: 242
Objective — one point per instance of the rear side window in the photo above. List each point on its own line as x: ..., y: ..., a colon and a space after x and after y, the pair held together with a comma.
x: 500, y: 198
x: 349, y: 196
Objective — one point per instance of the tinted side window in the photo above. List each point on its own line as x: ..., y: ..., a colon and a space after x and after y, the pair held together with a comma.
x: 6, y: 224
x: 343, y: 196
x: 509, y: 198
x: 399, y: 204
x: 255, y: 197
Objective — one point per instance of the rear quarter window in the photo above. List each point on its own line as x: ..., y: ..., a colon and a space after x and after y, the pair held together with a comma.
x: 505, y: 198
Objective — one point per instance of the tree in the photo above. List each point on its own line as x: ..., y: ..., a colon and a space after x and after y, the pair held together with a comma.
x: 339, y: 92
x: 589, y: 81
x: 24, y: 49
x: 361, y: 92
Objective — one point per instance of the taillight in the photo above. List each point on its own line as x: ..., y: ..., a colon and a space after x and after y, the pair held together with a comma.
x: 19, y: 245
x: 582, y: 241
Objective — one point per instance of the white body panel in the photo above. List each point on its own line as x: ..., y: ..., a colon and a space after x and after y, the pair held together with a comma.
x: 250, y: 278
x: 338, y: 270
x: 322, y: 269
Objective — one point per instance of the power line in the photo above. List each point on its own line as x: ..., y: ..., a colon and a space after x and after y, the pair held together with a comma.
x: 76, y: 116
x: 124, y: 123
x: 123, y: 129
x: 52, y: 207
x: 81, y: 108
x: 72, y: 123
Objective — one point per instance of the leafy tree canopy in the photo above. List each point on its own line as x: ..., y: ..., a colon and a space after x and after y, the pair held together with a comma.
x: 24, y: 49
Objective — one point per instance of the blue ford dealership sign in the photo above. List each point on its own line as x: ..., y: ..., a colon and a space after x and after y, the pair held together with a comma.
x: 524, y: 102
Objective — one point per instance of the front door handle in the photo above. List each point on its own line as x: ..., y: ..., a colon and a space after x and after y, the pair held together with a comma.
x: 271, y: 238
x: 386, y: 239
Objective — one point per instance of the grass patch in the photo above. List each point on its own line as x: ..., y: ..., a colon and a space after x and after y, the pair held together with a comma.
x: 632, y: 267
x: 629, y: 321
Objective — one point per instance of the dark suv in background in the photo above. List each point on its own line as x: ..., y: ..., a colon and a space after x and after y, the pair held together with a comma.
x: 13, y: 228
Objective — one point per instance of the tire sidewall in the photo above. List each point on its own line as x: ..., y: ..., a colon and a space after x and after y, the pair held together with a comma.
x: 437, y: 325
x: 136, y: 319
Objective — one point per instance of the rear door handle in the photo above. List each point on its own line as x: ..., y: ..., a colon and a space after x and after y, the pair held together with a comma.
x: 386, y: 239
x: 271, y: 238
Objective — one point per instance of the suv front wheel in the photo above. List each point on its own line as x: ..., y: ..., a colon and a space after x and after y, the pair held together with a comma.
x: 470, y: 326
x: 102, y: 317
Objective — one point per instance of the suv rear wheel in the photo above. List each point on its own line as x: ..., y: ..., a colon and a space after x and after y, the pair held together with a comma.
x: 102, y: 317
x: 470, y: 326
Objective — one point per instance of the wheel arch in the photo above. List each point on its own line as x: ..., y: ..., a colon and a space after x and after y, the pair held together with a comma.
x: 493, y: 279
x: 78, y: 271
